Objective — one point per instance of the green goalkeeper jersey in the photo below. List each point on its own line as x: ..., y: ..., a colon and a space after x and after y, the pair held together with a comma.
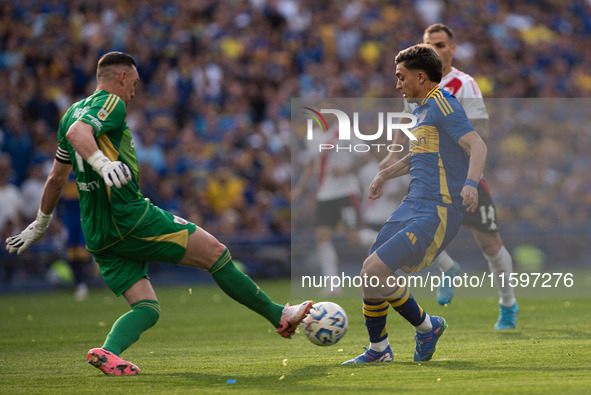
x: 108, y: 214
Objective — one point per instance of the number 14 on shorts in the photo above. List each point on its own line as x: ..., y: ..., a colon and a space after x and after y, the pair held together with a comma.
x: 487, y: 213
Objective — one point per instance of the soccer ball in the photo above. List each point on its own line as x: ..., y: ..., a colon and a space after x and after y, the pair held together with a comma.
x: 326, y: 324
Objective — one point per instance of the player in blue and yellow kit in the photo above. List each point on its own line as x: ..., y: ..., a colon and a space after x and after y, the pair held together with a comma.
x: 445, y: 163
x: 76, y: 253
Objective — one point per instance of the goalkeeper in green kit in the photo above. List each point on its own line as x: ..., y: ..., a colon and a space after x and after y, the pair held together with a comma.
x: 123, y: 230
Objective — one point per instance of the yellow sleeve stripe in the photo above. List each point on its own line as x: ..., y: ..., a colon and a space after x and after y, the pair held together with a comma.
x: 443, y: 101
x: 113, y: 104
x: 110, y: 103
x: 443, y: 105
x: 440, y: 107
x: 430, y: 94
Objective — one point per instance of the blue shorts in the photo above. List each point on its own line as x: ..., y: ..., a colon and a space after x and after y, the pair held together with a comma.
x: 416, y: 233
x: 72, y: 222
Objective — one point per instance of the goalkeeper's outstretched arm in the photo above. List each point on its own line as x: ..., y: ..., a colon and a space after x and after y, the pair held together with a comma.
x: 58, y: 176
x: 51, y: 194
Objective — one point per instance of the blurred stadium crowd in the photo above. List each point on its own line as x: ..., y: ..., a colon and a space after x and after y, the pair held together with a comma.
x: 211, y: 116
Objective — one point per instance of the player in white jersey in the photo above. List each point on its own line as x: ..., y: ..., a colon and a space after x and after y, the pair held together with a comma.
x: 466, y: 90
x: 337, y: 195
x: 336, y: 178
x: 483, y: 222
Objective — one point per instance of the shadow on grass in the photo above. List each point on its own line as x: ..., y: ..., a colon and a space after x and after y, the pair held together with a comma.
x: 561, y: 333
x: 541, y: 334
x: 298, y: 380
x: 510, y: 334
x: 491, y: 366
x: 308, y: 371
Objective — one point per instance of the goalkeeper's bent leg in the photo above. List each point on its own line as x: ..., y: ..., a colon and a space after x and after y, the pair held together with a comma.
x: 128, y: 328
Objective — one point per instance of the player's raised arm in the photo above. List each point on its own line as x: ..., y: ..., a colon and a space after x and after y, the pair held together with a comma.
x: 475, y: 146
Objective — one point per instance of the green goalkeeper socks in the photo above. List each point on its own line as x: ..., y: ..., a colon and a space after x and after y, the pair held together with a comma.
x: 145, y: 313
x: 242, y: 289
x: 128, y: 328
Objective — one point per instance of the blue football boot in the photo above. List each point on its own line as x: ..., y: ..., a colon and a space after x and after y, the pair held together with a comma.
x: 507, y: 317
x: 445, y: 292
x: 425, y: 342
x: 372, y: 356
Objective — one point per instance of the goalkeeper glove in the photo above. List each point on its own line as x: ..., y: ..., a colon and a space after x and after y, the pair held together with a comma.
x: 114, y: 173
x: 22, y: 241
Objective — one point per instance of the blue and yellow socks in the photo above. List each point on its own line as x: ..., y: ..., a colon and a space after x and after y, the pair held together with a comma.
x: 403, y: 302
x: 376, y: 314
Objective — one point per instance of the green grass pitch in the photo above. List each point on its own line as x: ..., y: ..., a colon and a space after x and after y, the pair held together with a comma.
x: 204, y: 339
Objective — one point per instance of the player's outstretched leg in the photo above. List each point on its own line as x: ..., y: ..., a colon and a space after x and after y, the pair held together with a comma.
x: 242, y: 289
x: 206, y: 252
x: 449, y: 269
x: 425, y: 342
x: 110, y: 363
x: 291, y: 317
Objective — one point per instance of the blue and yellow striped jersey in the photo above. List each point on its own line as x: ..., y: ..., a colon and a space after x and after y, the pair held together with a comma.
x: 439, y: 165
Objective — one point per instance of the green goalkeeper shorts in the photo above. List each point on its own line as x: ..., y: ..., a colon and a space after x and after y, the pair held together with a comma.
x: 159, y: 237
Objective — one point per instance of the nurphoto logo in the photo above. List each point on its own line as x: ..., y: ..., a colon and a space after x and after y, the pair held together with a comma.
x: 343, y: 133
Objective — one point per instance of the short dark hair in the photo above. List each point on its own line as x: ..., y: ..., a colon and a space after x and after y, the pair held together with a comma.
x: 440, y: 27
x: 113, y: 59
x: 422, y: 57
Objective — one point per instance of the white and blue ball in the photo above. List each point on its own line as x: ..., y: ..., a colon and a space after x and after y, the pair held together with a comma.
x: 326, y: 324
